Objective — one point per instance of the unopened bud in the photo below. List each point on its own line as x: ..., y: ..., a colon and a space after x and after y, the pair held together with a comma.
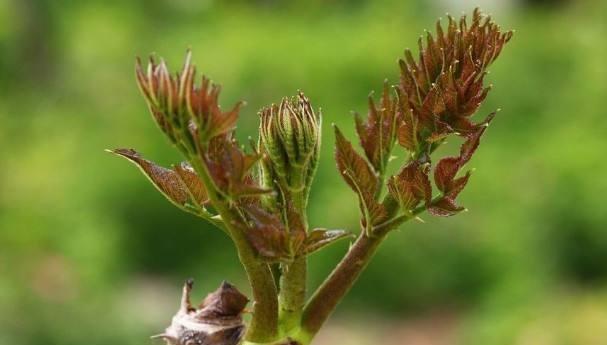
x: 290, y: 135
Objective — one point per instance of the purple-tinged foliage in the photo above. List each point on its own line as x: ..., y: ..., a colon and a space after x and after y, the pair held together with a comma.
x: 259, y: 196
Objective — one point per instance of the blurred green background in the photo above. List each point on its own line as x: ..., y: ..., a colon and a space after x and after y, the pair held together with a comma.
x: 90, y: 253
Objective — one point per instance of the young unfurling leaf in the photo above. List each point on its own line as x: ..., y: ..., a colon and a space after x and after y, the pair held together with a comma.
x: 181, y: 185
x: 411, y: 186
x: 446, y: 171
x: 445, y: 85
x: 189, y: 115
x: 266, y: 233
x: 408, y: 125
x: 444, y: 207
x: 192, y: 183
x: 360, y: 177
x: 378, y: 133
x: 231, y: 168
x: 265, y: 212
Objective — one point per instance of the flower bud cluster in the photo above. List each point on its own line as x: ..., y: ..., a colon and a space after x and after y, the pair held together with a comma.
x: 290, y: 139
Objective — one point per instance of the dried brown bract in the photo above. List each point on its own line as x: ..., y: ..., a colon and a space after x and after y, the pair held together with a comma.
x: 216, y: 321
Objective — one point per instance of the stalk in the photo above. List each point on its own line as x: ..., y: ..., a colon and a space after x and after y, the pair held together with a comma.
x: 264, y: 323
x: 337, y: 285
x: 292, y: 296
x: 326, y: 298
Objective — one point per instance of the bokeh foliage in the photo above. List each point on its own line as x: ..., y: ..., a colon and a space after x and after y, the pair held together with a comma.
x: 89, y: 252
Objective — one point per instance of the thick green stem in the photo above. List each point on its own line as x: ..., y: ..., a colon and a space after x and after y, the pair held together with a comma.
x: 292, y: 293
x: 292, y: 297
x: 328, y: 295
x: 264, y: 323
x: 340, y: 281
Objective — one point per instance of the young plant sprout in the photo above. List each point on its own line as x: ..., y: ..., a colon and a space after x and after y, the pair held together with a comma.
x: 259, y: 196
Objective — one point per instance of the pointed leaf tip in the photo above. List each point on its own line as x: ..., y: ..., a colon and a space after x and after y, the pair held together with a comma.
x: 320, y: 238
x: 359, y: 175
x: 181, y: 185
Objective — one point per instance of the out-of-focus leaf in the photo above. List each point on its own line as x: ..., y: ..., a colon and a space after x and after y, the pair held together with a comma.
x: 180, y: 186
x: 320, y: 238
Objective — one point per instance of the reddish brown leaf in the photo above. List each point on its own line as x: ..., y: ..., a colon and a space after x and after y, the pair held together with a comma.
x: 432, y: 107
x: 180, y: 186
x: 411, y: 186
x: 457, y: 185
x: 231, y: 168
x: 441, y: 131
x: 224, y: 302
x: 192, y: 182
x: 444, y: 207
x: 378, y: 133
x: 266, y: 233
x: 409, y: 124
x: 446, y: 82
x: 360, y: 177
x: 471, y: 144
x: 447, y: 168
x: 445, y: 172
x: 402, y: 192
x: 177, y: 103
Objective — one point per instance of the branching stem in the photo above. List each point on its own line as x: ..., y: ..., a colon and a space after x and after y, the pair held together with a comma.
x: 264, y: 323
x: 340, y: 281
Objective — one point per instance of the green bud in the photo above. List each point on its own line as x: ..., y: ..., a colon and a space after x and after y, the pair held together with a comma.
x: 290, y: 139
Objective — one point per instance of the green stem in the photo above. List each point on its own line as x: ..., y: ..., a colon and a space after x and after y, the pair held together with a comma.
x: 292, y: 293
x: 292, y: 297
x: 340, y: 281
x: 264, y: 323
